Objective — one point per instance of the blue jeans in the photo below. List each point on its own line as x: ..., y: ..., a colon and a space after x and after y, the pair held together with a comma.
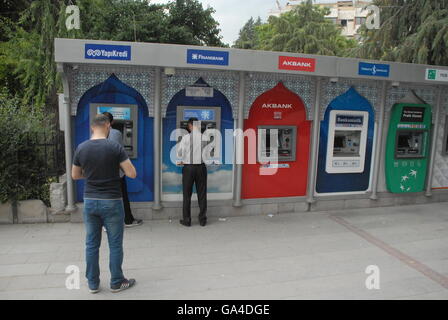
x: 110, y: 214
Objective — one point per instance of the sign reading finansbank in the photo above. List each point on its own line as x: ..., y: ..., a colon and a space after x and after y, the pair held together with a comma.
x: 212, y: 57
x: 107, y: 52
x: 373, y: 69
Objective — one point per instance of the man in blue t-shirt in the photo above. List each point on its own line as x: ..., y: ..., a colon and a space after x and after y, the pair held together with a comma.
x: 99, y: 160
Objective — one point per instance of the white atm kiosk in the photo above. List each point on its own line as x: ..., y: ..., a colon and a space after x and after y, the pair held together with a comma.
x: 347, y: 137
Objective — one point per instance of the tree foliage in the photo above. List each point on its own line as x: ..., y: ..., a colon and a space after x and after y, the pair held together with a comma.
x: 414, y: 31
x: 303, y: 29
x: 27, y: 64
x: 21, y: 162
x: 248, y: 35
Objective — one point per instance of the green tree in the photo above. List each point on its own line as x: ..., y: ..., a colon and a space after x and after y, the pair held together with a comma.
x: 414, y: 31
x: 27, y: 64
x: 21, y: 160
x: 303, y: 29
x: 180, y: 22
x: 247, y: 38
x: 29, y: 53
x: 189, y: 23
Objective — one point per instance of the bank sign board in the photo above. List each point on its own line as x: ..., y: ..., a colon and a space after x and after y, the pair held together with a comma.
x: 349, y: 121
x: 296, y: 63
x: 107, y: 52
x: 373, y: 69
x: 436, y: 75
x: 211, y: 57
x: 412, y: 114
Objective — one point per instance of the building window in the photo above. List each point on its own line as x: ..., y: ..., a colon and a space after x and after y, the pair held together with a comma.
x: 344, y: 23
x: 360, y: 20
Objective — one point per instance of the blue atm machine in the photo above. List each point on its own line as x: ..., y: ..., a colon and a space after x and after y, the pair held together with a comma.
x: 345, y: 145
x: 213, y: 109
x: 131, y: 117
x: 125, y: 120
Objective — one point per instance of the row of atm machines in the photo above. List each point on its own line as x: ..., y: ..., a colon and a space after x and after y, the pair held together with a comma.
x: 407, y: 146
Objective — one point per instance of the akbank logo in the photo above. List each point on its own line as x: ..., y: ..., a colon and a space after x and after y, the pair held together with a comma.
x: 297, y: 63
x: 107, y: 52
x: 220, y: 58
x: 373, y: 69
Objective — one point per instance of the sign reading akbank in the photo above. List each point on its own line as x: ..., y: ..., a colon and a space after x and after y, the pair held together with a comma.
x: 296, y: 63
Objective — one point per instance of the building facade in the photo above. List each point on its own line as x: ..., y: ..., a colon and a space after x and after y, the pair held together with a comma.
x: 348, y: 14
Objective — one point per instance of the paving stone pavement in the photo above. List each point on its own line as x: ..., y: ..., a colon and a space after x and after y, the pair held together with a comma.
x: 314, y: 255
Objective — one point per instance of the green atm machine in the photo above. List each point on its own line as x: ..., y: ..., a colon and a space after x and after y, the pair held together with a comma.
x: 407, y: 148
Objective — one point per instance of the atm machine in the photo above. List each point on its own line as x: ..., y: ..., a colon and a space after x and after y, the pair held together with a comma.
x: 347, y: 137
x: 407, y: 148
x: 209, y: 117
x: 276, y: 150
x: 347, y: 133
x: 276, y: 143
x: 125, y: 120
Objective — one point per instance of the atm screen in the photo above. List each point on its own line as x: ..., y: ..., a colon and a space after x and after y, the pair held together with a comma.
x: 346, y: 143
x: 284, y: 144
x: 338, y: 142
x: 117, y: 112
x: 409, y: 144
x: 125, y: 120
x: 200, y: 114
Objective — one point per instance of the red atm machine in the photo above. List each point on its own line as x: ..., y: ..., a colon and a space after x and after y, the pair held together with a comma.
x: 278, y: 118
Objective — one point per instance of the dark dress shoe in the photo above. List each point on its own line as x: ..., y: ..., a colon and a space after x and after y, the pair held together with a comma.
x: 203, y: 222
x: 185, y: 223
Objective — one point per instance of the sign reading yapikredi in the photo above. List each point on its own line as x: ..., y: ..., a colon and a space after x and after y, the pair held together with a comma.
x: 107, y: 51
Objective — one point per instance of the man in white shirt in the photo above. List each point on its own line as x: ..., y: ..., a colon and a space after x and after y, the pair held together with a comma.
x: 194, y: 171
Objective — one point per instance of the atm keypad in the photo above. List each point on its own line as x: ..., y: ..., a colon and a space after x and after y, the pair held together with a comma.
x: 346, y: 163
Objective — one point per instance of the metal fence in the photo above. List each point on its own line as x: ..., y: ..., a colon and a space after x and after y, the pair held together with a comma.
x: 49, y: 147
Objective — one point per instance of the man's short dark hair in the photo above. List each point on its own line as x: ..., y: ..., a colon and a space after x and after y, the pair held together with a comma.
x: 99, y: 120
x: 109, y: 115
x: 191, y: 120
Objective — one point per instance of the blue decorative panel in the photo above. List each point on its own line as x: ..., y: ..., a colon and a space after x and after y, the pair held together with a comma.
x: 84, y: 77
x: 219, y: 176
x: 226, y: 82
x: 114, y: 91
x: 345, y: 182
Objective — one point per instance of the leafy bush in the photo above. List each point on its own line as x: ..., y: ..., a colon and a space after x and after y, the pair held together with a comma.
x: 21, y: 160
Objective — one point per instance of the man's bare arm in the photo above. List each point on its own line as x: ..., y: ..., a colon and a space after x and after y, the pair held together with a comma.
x: 128, y: 169
x: 77, y: 173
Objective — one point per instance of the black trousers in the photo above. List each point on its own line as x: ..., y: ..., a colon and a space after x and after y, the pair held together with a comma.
x: 194, y: 174
x: 128, y: 217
